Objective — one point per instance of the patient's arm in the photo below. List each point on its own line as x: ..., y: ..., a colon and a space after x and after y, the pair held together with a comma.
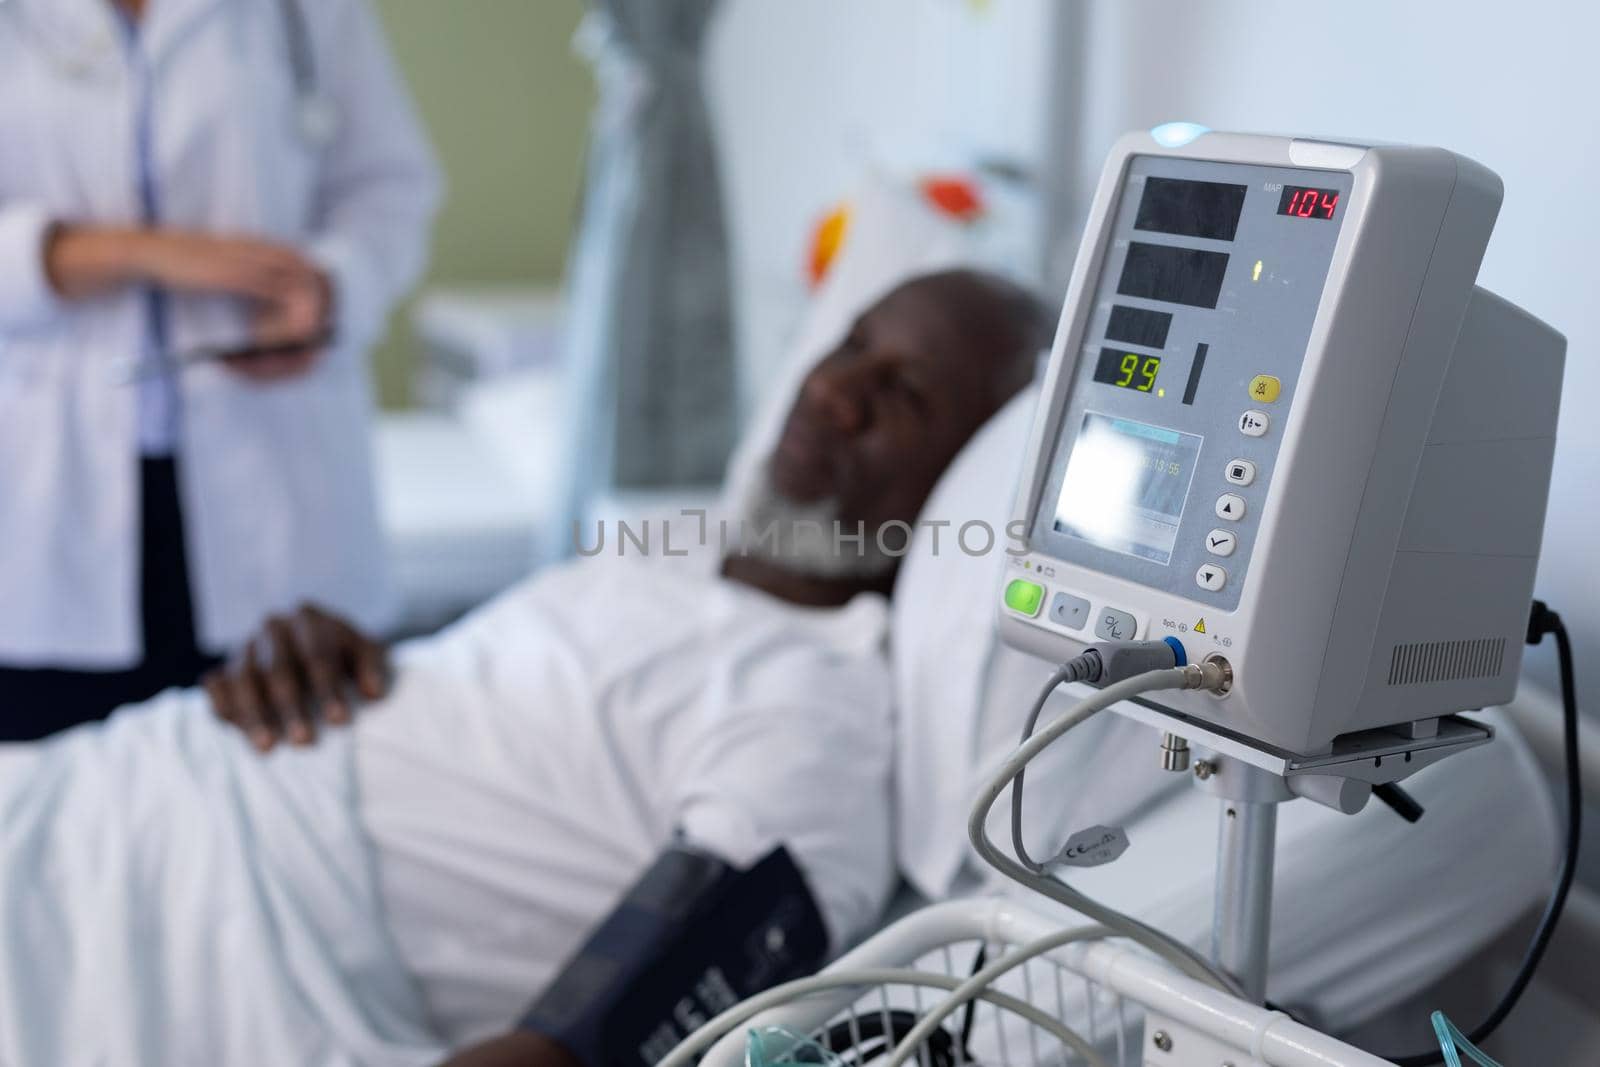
x: 299, y: 668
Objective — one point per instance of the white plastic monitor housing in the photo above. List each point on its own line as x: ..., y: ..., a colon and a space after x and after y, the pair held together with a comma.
x: 1382, y: 561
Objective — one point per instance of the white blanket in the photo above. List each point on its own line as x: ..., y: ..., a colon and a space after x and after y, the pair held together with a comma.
x: 169, y: 897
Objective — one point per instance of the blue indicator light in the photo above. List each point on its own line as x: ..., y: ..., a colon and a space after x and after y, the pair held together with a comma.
x: 1177, y: 134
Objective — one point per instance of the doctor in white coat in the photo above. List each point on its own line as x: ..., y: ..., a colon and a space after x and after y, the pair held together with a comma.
x: 183, y: 177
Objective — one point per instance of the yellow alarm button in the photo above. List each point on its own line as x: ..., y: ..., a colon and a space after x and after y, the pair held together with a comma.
x: 1265, y: 388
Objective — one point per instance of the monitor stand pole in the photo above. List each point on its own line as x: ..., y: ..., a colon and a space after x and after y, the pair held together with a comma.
x: 1247, y: 831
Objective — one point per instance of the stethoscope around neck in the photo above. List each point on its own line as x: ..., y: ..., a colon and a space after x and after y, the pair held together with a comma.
x: 316, y: 116
x: 315, y: 112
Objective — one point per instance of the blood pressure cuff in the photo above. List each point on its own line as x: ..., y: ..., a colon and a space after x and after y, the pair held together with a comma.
x: 692, y: 938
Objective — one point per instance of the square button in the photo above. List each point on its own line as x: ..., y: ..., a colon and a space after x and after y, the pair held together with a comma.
x: 1024, y: 597
x: 1116, y: 625
x: 1069, y: 611
x: 1264, y: 388
x: 1240, y: 471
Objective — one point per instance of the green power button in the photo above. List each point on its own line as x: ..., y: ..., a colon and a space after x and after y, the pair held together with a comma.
x: 1024, y: 597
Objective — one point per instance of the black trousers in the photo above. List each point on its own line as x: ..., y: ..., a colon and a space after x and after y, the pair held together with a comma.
x: 34, y: 703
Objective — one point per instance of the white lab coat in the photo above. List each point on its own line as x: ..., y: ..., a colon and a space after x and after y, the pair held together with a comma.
x: 275, y: 480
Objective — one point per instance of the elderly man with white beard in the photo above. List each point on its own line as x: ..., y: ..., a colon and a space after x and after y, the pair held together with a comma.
x: 452, y: 832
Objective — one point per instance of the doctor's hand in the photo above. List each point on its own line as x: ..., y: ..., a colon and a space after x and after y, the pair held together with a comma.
x: 300, y: 668
x: 250, y: 267
x: 83, y: 261
x: 302, y: 310
x: 290, y: 297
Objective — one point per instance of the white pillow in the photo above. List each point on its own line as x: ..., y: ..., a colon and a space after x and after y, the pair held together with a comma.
x: 942, y: 637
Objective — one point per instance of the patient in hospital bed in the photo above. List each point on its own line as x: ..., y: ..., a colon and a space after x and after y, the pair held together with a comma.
x: 404, y: 886
x: 387, y: 892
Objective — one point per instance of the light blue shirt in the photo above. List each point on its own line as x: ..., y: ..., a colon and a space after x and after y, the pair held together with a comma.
x: 158, y: 393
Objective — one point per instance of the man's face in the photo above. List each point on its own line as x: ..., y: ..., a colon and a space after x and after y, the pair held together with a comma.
x: 882, y: 415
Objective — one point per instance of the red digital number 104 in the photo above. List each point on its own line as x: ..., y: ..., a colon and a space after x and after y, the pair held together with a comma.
x: 1308, y: 202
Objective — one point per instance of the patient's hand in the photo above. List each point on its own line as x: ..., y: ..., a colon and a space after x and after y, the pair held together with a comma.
x: 299, y: 668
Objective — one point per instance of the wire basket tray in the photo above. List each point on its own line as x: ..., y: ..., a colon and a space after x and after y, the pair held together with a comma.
x: 1088, y: 1002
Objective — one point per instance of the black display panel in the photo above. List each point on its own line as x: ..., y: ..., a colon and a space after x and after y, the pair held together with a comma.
x: 1190, y: 208
x: 1175, y: 275
x: 1304, y: 202
x: 1127, y: 370
x: 1139, y: 326
x: 1197, y: 368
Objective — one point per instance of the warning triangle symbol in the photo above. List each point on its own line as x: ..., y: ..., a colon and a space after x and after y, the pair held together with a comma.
x: 1200, y: 627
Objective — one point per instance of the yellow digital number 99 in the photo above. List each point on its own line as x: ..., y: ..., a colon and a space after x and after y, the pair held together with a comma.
x: 1147, y: 371
x: 1130, y: 365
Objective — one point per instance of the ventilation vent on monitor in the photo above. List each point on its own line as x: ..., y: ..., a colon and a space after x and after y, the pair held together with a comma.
x: 1446, y: 661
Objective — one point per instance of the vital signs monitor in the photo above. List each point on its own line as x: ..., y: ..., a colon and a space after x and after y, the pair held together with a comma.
x: 1282, y: 426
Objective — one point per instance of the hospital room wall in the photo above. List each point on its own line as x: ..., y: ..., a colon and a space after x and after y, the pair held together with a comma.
x: 810, y: 98
x: 1508, y: 85
x: 506, y: 103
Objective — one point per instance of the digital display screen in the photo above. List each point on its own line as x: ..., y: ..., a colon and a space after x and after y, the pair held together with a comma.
x: 1304, y: 202
x: 1190, y: 208
x: 1174, y: 275
x: 1127, y: 370
x: 1125, y: 486
x: 1139, y: 326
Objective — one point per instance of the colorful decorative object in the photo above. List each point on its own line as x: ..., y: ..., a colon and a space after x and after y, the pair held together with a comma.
x: 826, y: 242
x: 954, y: 195
x: 951, y: 195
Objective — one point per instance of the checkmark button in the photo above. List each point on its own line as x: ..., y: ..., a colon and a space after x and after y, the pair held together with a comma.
x: 1221, y: 543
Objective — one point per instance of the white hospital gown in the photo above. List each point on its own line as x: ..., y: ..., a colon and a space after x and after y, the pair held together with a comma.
x: 167, y: 896
x: 535, y: 758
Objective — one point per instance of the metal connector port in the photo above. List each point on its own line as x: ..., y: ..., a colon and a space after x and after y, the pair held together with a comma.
x: 1225, y: 685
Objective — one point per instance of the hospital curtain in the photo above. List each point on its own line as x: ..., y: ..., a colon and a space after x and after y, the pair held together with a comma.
x: 650, y: 332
